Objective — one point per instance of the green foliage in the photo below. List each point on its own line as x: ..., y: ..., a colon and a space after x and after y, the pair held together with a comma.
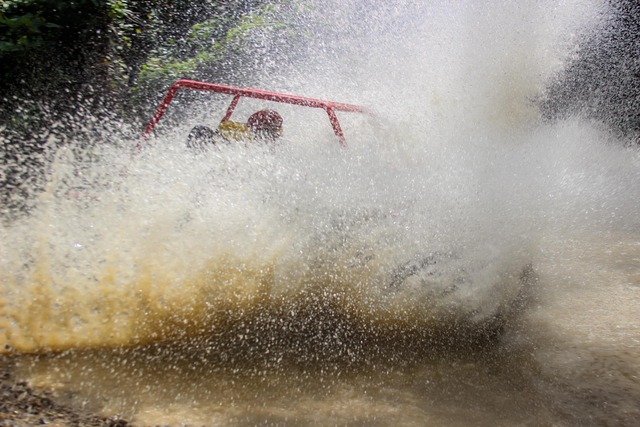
x: 133, y: 50
x: 207, y: 48
x: 22, y: 32
x: 27, y: 25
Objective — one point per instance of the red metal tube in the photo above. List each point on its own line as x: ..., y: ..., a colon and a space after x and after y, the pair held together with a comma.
x: 329, y: 106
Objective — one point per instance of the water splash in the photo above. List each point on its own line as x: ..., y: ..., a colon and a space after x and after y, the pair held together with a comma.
x: 428, y: 219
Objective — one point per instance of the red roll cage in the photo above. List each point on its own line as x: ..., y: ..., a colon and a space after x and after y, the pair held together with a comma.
x: 329, y: 106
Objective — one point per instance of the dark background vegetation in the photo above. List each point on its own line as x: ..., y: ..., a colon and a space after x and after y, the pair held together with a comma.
x: 603, y: 81
x: 119, y: 53
x: 123, y: 54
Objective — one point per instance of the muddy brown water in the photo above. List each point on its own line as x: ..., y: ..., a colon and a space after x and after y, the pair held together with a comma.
x: 572, y: 357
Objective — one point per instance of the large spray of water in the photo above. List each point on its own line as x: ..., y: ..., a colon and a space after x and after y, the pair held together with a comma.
x: 428, y: 219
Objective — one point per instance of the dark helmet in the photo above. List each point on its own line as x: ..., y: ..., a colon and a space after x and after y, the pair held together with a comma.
x: 200, y: 138
x: 266, y: 123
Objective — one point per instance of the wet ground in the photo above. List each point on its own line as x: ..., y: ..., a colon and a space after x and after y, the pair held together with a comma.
x: 24, y: 405
x: 570, y: 359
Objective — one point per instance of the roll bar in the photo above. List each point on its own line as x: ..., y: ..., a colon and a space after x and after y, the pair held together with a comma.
x: 329, y: 106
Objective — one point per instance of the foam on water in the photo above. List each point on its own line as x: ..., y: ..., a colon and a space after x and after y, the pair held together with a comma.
x: 427, y: 219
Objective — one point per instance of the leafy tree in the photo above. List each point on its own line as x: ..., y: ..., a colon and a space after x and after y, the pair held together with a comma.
x: 223, y: 47
x: 126, y: 52
x: 603, y: 81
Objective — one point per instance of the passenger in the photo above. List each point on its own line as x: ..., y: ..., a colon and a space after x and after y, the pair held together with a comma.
x: 265, y: 125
